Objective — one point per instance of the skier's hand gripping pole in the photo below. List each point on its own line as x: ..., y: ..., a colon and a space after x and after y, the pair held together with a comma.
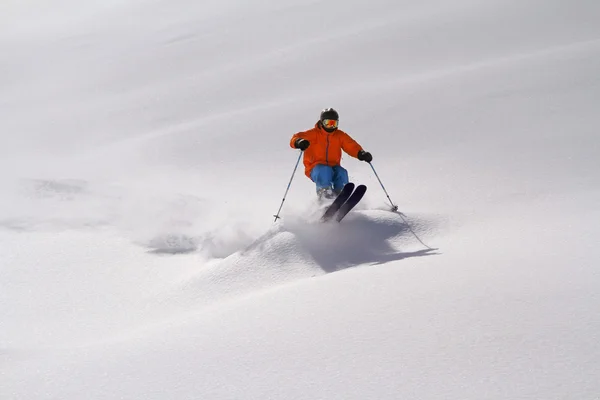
x: 394, y: 207
x: 288, y: 187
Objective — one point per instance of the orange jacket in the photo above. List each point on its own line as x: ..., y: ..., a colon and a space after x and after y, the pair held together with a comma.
x: 325, y: 148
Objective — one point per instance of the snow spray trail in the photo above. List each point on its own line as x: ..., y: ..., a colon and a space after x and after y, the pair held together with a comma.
x: 153, y: 218
x: 297, y: 249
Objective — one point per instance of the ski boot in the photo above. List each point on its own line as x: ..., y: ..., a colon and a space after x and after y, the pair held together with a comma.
x: 326, y: 194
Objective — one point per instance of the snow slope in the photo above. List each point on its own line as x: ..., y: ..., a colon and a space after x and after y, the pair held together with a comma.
x: 145, y: 149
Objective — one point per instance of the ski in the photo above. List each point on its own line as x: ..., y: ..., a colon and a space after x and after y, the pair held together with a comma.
x: 352, y: 201
x: 338, y: 202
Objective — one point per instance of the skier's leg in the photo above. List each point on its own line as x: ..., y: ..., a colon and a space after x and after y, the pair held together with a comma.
x: 322, y: 176
x: 340, y: 178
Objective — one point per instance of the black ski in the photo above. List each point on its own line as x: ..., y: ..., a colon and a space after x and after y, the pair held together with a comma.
x: 338, y: 202
x: 353, y: 200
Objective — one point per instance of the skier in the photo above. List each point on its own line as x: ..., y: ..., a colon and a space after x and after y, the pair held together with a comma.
x: 322, y: 147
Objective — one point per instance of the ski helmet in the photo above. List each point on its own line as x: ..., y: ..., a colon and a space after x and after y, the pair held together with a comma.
x: 329, y: 113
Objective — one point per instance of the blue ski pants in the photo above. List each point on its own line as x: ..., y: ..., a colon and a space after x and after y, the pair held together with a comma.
x: 327, y: 177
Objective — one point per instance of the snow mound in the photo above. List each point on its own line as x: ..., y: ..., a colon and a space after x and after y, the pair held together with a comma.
x: 363, y: 238
x: 301, y: 249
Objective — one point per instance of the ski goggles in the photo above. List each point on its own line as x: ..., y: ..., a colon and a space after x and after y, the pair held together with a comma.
x: 330, y: 123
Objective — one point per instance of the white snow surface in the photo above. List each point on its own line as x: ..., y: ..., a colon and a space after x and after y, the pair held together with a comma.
x: 145, y: 147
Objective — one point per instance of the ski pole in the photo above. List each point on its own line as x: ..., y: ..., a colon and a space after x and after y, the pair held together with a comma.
x: 288, y: 187
x: 394, y: 207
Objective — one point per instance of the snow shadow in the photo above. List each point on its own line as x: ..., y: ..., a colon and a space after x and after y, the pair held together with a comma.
x: 50, y: 204
x: 218, y: 244
x: 363, y: 238
x: 172, y: 243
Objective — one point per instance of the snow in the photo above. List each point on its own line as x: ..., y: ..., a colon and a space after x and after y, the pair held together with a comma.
x: 131, y: 266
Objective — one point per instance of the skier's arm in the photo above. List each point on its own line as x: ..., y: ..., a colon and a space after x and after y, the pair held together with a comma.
x: 350, y: 146
x: 300, y: 135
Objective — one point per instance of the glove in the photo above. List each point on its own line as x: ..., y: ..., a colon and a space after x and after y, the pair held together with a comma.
x: 301, y: 144
x: 364, y: 156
